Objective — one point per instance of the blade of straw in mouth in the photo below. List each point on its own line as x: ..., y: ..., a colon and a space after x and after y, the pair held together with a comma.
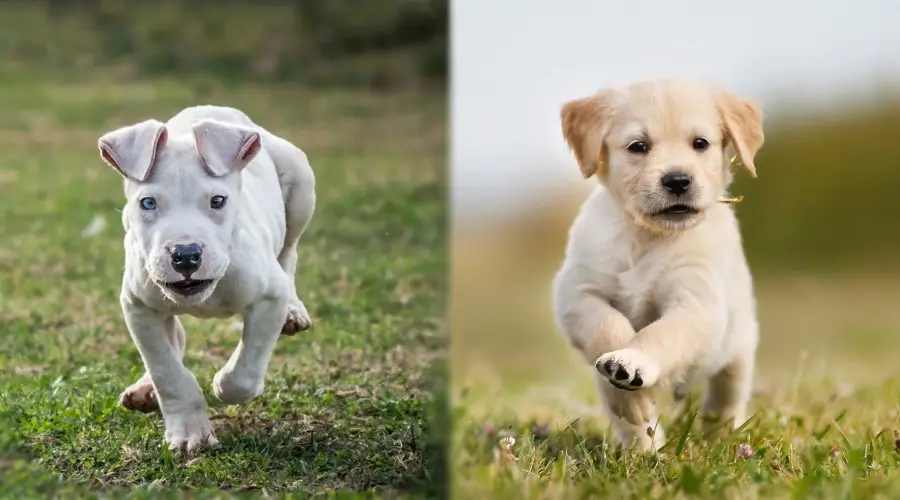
x: 732, y: 200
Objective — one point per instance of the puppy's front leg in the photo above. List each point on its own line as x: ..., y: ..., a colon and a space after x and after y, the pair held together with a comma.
x: 140, y: 395
x: 633, y: 415
x: 595, y: 328
x: 243, y: 377
x: 586, y: 318
x: 181, y: 402
x: 690, y: 328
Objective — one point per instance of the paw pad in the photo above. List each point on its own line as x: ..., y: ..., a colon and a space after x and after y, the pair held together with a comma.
x: 295, y: 322
x: 623, y: 372
x: 142, y: 399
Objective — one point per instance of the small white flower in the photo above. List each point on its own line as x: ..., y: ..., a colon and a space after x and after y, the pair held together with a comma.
x: 94, y: 228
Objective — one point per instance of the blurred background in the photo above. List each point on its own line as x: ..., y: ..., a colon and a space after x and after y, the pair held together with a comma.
x: 820, y: 223
x: 347, y: 43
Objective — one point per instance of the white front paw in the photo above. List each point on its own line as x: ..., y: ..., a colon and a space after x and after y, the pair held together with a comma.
x: 190, y: 431
x: 628, y: 369
x: 231, y: 387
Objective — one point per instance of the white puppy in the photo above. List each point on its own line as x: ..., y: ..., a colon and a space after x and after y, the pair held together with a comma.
x: 216, y: 206
x: 655, y: 290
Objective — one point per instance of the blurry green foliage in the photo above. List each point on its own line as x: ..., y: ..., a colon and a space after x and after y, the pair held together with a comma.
x: 379, y: 43
x: 828, y: 192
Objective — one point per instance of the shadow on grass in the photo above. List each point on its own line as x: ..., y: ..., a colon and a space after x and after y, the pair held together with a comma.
x: 304, y: 435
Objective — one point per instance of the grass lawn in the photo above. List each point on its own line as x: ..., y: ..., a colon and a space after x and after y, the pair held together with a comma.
x: 826, y: 401
x: 350, y: 405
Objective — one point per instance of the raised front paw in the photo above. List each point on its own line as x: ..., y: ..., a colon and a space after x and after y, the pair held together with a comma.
x: 628, y: 369
x: 140, y: 396
x: 297, y: 319
x: 190, y: 432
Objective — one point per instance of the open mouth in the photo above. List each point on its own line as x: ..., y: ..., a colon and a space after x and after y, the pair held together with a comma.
x: 188, y: 287
x: 678, y: 209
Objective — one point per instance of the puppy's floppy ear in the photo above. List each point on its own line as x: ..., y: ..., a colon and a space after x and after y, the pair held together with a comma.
x: 743, y: 126
x: 225, y: 147
x: 132, y: 150
x: 585, y: 124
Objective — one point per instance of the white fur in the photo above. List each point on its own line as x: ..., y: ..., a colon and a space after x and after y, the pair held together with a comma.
x: 639, y: 294
x: 249, y: 252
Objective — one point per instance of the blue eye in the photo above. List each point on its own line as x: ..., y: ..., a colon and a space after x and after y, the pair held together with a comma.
x: 217, y: 202
x: 148, y: 203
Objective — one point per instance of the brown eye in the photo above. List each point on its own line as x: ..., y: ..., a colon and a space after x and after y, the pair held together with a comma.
x: 639, y: 147
x: 217, y: 202
x: 700, y: 144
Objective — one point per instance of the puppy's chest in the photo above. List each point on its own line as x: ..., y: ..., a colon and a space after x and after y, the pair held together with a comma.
x: 225, y: 302
x: 635, y: 282
x: 217, y: 306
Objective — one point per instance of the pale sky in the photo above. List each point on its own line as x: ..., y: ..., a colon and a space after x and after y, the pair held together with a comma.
x: 514, y: 62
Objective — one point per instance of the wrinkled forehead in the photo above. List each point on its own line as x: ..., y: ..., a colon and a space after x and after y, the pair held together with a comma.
x: 178, y: 171
x: 666, y: 111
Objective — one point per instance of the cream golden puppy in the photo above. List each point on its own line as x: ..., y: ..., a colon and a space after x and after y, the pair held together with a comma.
x: 655, y: 290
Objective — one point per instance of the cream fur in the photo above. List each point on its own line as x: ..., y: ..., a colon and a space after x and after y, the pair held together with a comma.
x: 249, y: 253
x: 660, y: 300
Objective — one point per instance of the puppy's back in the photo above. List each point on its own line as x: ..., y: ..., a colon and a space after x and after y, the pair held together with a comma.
x: 186, y: 118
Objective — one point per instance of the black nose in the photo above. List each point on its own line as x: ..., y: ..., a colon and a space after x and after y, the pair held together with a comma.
x: 676, y: 182
x: 186, y: 258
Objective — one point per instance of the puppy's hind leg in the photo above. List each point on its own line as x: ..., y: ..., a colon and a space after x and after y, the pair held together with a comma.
x: 299, y: 210
x: 141, y: 396
x: 298, y: 188
x: 729, y: 392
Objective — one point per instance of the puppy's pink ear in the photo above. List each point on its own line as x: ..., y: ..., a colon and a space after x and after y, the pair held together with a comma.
x: 132, y: 150
x: 743, y: 126
x: 585, y: 125
x: 224, y: 147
